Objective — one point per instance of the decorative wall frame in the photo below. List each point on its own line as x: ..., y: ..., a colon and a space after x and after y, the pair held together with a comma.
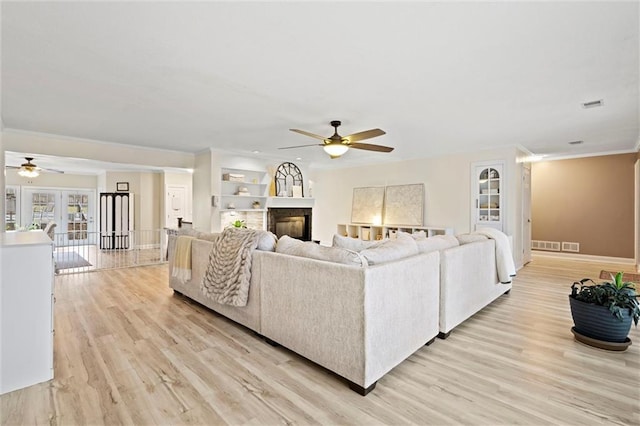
x: 404, y: 205
x: 367, y: 205
x: 286, y: 177
x: 122, y: 186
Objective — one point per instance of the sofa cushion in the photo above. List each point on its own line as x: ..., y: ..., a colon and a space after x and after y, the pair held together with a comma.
x: 393, y: 249
x: 470, y: 238
x: 294, y: 247
x: 267, y: 241
x: 349, y: 243
x: 437, y: 242
x: 418, y: 235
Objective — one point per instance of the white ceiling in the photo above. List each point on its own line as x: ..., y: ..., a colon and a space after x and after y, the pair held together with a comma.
x: 437, y: 77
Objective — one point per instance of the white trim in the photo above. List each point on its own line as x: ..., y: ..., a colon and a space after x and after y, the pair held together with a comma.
x: 551, y: 157
x: 96, y: 141
x: 585, y: 257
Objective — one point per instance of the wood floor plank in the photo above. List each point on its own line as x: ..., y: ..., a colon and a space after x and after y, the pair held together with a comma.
x: 129, y: 351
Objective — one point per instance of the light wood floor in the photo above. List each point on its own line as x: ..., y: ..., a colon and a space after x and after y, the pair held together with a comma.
x: 128, y: 351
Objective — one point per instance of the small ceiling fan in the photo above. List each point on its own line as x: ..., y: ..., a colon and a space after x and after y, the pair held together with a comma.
x: 29, y: 169
x: 337, y: 145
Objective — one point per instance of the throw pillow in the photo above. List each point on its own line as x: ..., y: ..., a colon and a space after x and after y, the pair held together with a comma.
x: 388, y: 250
x: 355, y: 244
x: 267, y: 241
x: 294, y: 247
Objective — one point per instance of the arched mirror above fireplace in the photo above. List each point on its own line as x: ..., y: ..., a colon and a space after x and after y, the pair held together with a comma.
x: 287, y: 177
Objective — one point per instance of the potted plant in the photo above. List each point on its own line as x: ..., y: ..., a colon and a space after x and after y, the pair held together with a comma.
x: 602, y: 313
x: 238, y: 224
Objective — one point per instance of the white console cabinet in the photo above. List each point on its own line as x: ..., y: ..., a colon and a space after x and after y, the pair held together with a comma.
x: 26, y: 309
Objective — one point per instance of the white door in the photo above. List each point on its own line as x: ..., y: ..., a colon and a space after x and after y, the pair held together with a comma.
x: 72, y: 210
x: 526, y: 215
x: 78, y: 223
x: 175, y: 204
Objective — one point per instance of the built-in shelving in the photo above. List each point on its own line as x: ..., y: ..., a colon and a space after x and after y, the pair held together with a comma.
x: 378, y: 232
x: 236, y: 206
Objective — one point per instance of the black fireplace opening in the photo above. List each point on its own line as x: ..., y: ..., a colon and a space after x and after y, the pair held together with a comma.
x: 294, y: 222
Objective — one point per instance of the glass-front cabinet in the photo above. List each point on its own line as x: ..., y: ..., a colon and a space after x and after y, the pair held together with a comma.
x: 488, y: 185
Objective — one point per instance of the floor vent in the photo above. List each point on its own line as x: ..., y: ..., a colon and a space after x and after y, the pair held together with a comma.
x: 572, y: 247
x: 545, y: 245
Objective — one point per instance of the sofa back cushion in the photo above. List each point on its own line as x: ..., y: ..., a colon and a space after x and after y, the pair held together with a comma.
x: 389, y: 250
x: 437, y: 242
x: 349, y: 243
x: 294, y: 247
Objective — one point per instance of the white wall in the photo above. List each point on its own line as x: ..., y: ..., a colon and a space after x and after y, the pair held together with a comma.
x: 637, y: 212
x: 447, y: 191
x: 202, y: 191
x: 147, y: 190
x: 2, y: 179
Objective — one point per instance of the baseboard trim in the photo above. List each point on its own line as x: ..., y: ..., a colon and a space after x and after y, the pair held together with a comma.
x: 584, y: 257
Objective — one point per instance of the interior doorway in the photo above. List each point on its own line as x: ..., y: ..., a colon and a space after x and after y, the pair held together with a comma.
x: 526, y: 213
x: 176, y: 204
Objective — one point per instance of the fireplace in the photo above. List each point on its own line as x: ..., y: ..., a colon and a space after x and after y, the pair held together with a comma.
x: 294, y: 222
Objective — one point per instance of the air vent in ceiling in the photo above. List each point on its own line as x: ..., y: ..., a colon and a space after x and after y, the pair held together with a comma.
x: 575, y: 142
x: 593, y: 104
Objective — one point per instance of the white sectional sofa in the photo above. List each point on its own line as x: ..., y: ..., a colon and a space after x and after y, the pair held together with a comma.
x: 357, y: 321
x: 361, y: 317
x: 468, y: 282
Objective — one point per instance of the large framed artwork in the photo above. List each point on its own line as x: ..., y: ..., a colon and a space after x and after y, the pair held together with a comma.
x: 367, y: 205
x: 404, y: 205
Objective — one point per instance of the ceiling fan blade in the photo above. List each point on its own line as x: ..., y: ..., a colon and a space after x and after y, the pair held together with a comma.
x: 50, y: 170
x: 371, y: 147
x: 302, y: 132
x: 367, y: 134
x: 302, y: 146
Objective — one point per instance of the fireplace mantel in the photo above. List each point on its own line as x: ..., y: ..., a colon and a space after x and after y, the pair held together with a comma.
x: 290, y: 202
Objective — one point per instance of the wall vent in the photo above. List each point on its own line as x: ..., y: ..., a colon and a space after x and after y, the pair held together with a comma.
x: 545, y: 245
x: 572, y: 247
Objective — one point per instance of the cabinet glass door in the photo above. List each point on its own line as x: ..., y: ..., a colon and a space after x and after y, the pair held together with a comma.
x: 489, y: 197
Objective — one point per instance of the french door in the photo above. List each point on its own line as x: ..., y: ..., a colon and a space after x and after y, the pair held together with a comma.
x: 73, y: 211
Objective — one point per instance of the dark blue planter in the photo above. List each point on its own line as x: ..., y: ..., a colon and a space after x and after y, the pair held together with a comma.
x: 598, y: 322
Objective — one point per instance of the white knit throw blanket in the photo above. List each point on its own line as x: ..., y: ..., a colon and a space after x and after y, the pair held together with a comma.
x: 229, y: 272
x: 504, y: 258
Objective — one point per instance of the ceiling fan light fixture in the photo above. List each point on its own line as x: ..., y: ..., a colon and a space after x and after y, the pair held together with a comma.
x: 28, y: 172
x: 335, y: 149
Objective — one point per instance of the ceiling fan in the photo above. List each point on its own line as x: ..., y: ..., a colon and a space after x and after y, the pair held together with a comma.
x: 30, y: 170
x: 337, y: 145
